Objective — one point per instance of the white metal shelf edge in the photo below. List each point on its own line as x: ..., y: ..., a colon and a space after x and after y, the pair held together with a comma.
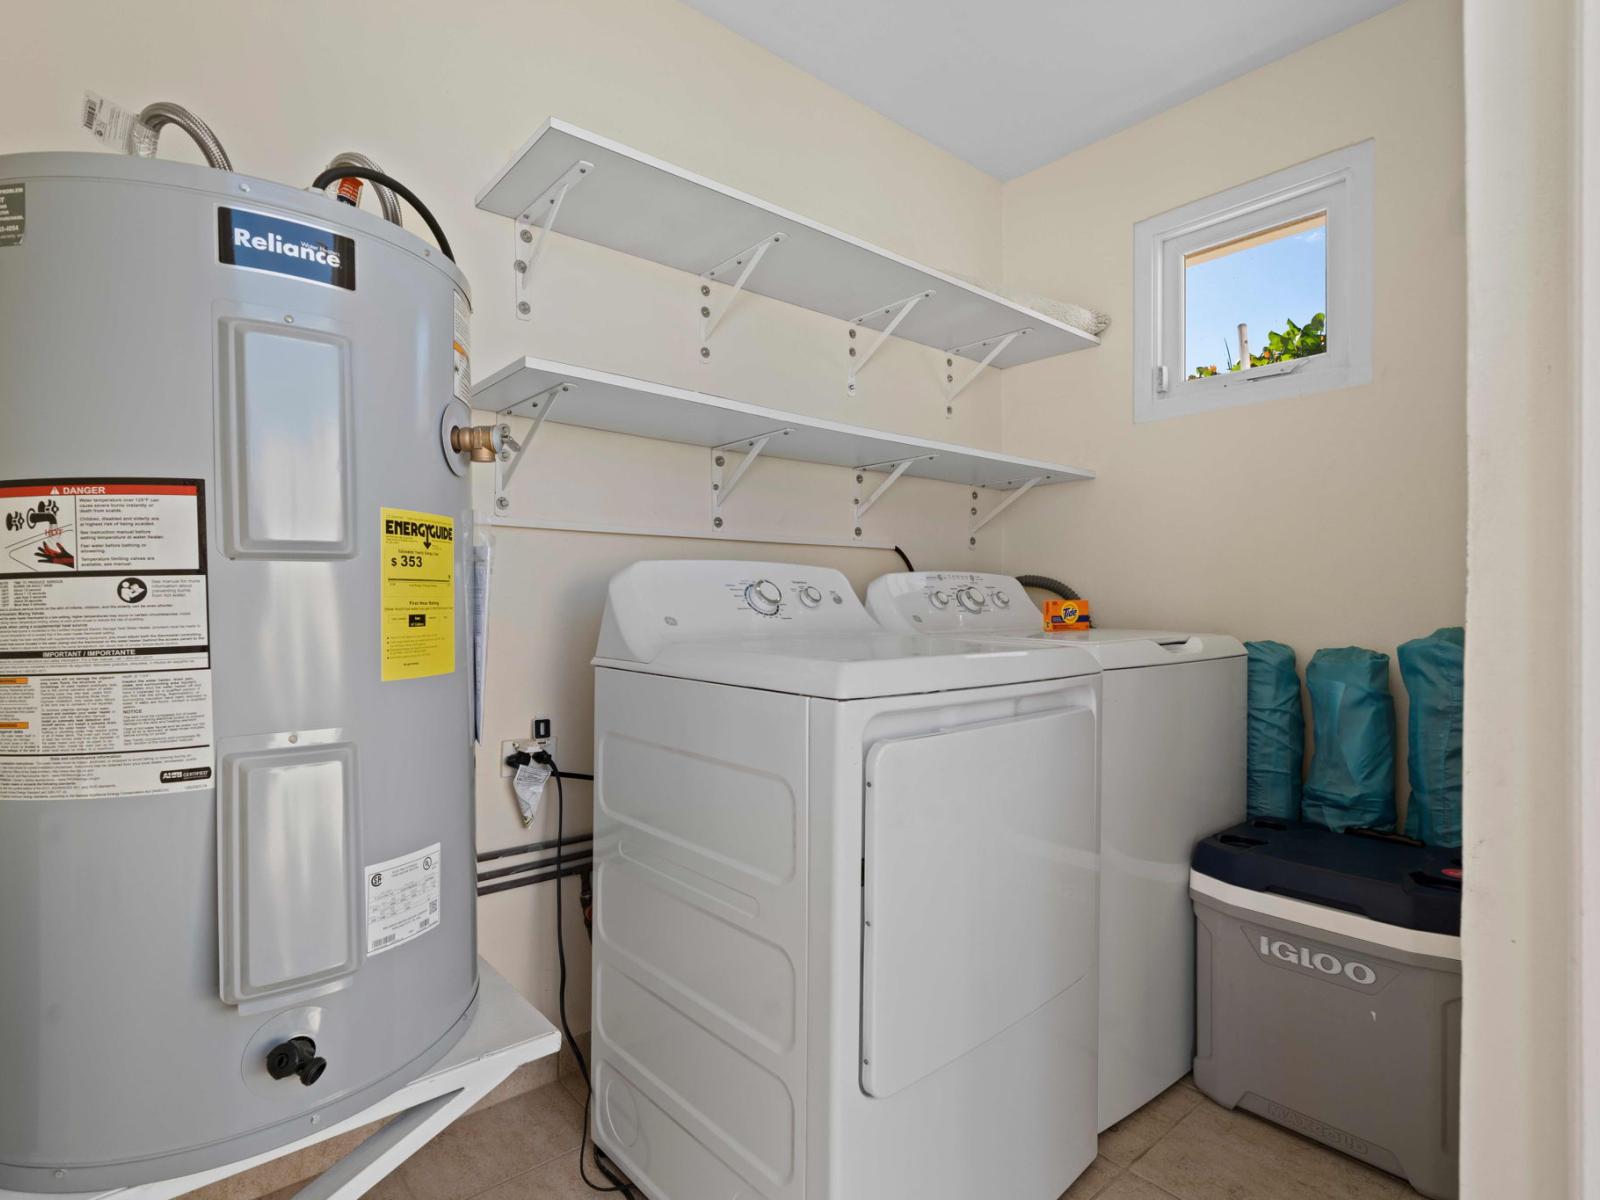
x: 620, y: 404
x: 643, y: 206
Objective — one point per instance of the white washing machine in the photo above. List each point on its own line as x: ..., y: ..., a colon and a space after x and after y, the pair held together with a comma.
x: 1172, y: 751
x: 846, y: 882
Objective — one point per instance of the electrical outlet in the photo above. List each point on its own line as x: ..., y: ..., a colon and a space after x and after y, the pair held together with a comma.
x: 507, y: 749
x: 542, y: 729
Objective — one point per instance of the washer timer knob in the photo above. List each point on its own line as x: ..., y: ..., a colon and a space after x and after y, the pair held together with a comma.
x: 970, y: 598
x: 764, y: 596
x: 810, y: 596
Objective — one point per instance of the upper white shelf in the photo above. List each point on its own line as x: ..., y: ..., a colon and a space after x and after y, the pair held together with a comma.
x: 532, y: 387
x: 642, y: 206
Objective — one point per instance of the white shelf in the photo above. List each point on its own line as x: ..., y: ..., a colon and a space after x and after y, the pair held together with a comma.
x: 619, y: 404
x: 642, y: 206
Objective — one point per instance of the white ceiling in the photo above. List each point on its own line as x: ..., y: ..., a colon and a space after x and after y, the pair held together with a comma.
x: 1009, y: 85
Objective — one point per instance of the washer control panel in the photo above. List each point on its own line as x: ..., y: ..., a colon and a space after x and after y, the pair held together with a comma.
x: 653, y: 603
x: 952, y: 601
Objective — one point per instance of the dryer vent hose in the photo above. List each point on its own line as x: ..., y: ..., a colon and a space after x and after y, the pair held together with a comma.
x: 1045, y: 584
x: 160, y: 114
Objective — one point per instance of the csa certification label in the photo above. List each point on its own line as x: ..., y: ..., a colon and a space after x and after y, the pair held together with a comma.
x: 402, y: 899
x: 418, y: 594
x: 105, y: 657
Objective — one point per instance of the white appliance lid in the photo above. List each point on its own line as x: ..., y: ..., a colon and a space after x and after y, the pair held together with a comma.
x: 798, y: 629
x: 975, y: 604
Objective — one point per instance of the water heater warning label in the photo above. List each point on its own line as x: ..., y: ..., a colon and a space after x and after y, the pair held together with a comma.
x: 417, y: 624
x: 105, y: 657
x: 402, y: 899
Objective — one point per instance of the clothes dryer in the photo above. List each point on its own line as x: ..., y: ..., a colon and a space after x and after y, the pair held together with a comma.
x: 1172, y: 772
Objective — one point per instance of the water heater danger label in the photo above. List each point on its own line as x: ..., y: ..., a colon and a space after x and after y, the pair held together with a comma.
x: 105, y: 657
x: 417, y: 596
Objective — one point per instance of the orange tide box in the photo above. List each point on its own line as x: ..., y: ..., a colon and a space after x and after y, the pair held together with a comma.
x: 1061, y: 616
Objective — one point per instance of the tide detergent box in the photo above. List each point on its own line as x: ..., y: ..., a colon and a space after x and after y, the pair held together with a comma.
x: 1062, y: 616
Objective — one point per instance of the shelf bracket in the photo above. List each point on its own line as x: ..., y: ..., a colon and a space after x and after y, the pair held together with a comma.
x: 723, y: 487
x: 900, y: 310
x: 896, y: 468
x: 1018, y: 493
x: 541, y: 216
x: 738, y: 268
x: 996, y: 346
x: 511, y: 451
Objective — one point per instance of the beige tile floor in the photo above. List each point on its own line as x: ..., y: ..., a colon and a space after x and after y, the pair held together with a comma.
x: 1180, y: 1146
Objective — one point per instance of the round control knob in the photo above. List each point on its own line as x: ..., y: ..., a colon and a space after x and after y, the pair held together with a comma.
x: 810, y: 596
x: 1002, y: 600
x: 764, y: 596
x: 940, y: 599
x: 970, y: 598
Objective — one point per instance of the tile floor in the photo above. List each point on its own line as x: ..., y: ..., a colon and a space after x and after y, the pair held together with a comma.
x: 1180, y: 1146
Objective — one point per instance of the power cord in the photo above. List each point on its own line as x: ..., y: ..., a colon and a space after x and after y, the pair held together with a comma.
x: 617, y: 1183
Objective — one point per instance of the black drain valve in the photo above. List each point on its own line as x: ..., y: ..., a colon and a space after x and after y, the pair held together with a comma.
x: 297, y: 1056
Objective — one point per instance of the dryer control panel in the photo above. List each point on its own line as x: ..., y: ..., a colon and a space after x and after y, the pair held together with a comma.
x: 952, y: 601
x: 651, y: 604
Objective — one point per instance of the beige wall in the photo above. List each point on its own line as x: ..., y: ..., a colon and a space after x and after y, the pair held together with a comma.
x: 1326, y: 520
x: 442, y: 96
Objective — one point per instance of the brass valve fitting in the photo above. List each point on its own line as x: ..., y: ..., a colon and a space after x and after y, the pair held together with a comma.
x: 478, y: 441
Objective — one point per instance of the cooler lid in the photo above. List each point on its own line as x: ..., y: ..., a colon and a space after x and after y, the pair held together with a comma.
x: 1383, y: 877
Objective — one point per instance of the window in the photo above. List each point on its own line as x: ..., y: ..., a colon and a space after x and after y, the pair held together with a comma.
x: 1261, y: 292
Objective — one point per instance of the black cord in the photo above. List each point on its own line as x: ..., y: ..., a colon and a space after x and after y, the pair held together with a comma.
x: 617, y: 1185
x: 904, y: 559
x: 321, y: 182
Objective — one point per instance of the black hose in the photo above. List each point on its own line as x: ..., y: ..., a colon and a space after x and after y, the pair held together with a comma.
x: 332, y: 174
x: 1045, y: 584
x: 904, y: 559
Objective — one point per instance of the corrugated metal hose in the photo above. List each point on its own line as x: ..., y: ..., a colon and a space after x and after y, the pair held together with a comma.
x: 162, y: 113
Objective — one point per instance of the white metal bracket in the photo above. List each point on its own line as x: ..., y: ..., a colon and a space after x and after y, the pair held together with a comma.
x: 896, y: 468
x: 723, y: 487
x: 897, y: 312
x: 1016, y: 494
x: 994, y: 346
x: 541, y: 216
x: 509, y: 450
x: 738, y: 268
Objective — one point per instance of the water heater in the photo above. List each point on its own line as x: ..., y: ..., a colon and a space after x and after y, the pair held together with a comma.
x: 237, y: 872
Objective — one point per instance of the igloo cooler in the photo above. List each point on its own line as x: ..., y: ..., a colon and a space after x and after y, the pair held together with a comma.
x: 1328, y: 990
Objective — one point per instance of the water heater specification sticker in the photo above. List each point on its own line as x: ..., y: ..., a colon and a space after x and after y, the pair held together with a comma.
x: 402, y: 899
x: 14, y: 214
x: 105, y: 657
x: 417, y: 621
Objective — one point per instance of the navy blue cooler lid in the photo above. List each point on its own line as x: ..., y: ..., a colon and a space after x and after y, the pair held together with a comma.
x: 1382, y: 876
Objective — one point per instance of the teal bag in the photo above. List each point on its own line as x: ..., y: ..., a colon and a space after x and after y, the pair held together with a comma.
x: 1433, y: 670
x: 1351, y: 783
x: 1277, y: 733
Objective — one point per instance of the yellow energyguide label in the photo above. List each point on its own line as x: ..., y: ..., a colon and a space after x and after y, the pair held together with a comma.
x: 418, y: 594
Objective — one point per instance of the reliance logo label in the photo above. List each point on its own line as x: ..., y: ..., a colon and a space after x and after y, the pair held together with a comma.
x: 258, y: 242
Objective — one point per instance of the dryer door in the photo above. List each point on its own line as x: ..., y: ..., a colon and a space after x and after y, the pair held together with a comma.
x: 979, y: 887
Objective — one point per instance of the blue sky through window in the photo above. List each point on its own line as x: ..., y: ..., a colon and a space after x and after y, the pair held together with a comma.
x: 1260, y: 285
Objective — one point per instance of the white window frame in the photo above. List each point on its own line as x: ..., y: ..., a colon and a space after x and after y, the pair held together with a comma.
x: 1339, y: 184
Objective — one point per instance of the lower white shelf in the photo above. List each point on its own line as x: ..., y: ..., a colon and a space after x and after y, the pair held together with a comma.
x: 569, y: 395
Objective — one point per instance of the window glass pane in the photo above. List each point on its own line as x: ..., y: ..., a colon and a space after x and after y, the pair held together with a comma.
x: 1274, y: 282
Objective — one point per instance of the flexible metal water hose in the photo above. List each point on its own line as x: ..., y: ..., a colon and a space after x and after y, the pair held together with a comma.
x: 387, y: 200
x: 162, y: 113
